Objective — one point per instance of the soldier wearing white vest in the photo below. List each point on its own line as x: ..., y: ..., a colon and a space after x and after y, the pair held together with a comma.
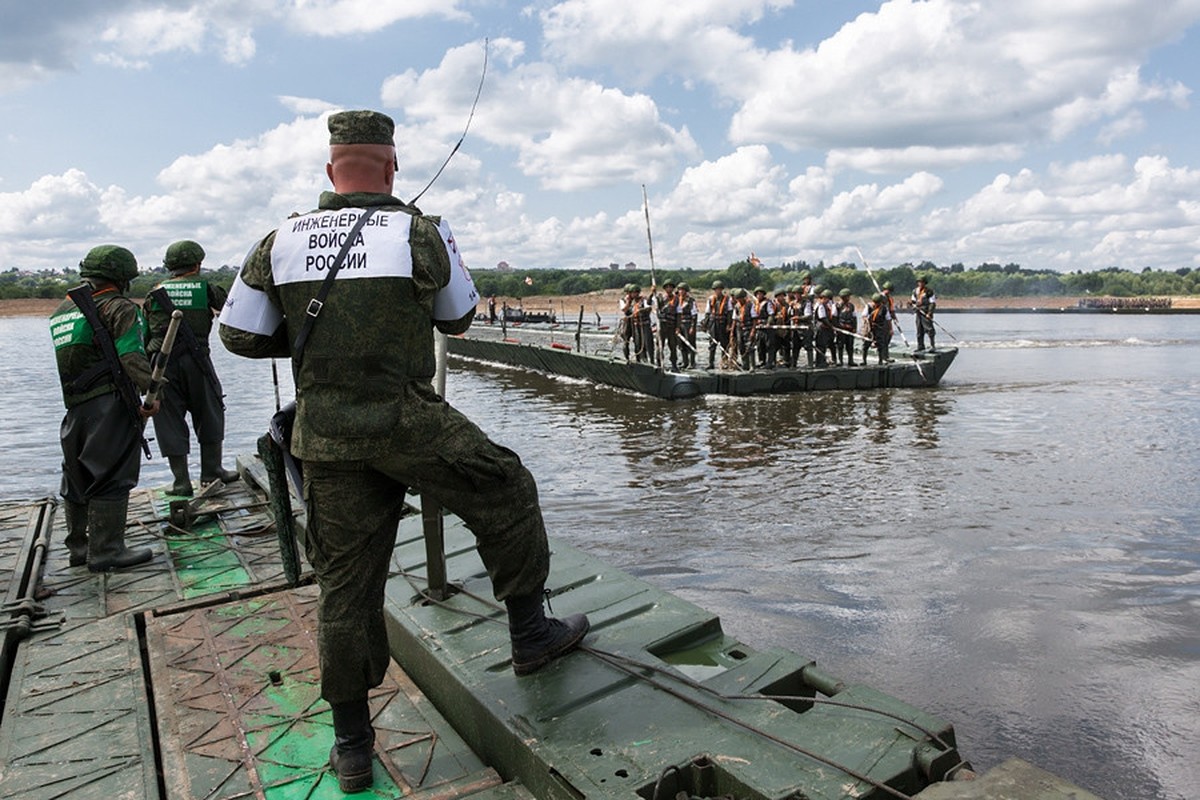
x: 369, y: 423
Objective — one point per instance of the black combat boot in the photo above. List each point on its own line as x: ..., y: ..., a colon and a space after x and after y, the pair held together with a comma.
x: 106, y: 537
x: 182, y: 487
x: 537, y: 639
x: 210, y: 465
x: 353, y: 742
x: 76, y: 515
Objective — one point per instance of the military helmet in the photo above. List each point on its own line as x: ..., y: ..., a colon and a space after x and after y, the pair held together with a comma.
x: 888, y: 285
x: 183, y: 255
x: 793, y: 288
x: 634, y: 287
x: 922, y: 279
x: 877, y: 297
x: 669, y: 283
x: 718, y: 285
x: 683, y: 287
x: 628, y: 288
x: 780, y: 291
x: 758, y: 289
x: 817, y: 289
x: 806, y: 276
x: 111, y: 262
x: 844, y: 293
x: 827, y: 293
x: 739, y: 293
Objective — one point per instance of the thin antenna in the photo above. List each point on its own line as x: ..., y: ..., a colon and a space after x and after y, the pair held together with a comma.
x: 462, y: 138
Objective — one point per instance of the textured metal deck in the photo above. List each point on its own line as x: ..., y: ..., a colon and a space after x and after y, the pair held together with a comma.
x: 192, y: 676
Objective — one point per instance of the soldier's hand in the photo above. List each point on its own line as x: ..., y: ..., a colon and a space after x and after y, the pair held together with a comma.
x: 146, y: 413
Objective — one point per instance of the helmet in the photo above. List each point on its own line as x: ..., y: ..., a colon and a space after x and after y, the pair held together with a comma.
x: 780, y: 291
x: 718, y: 285
x: 888, y: 285
x: 827, y: 293
x: 806, y: 276
x: 817, y: 289
x: 793, y: 288
x: 877, y: 297
x: 633, y: 287
x: 111, y: 262
x: 844, y: 293
x: 739, y: 293
x: 922, y: 279
x: 628, y: 288
x: 683, y: 287
x: 183, y: 255
x: 758, y: 289
x: 669, y: 284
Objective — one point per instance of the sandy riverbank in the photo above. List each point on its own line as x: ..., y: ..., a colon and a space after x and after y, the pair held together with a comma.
x: 567, y: 307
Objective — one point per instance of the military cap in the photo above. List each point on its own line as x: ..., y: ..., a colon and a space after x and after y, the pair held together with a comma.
x: 718, y: 285
x: 361, y: 127
x: 182, y: 255
x: 827, y: 293
x: 109, y: 261
x: 844, y: 293
x: 683, y: 287
x: 888, y: 285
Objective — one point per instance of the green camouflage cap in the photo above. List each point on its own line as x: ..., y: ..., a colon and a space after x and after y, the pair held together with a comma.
x: 361, y: 127
x: 109, y: 261
x: 184, y: 254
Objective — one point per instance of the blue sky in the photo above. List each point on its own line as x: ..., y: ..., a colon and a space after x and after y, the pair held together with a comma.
x: 1054, y: 135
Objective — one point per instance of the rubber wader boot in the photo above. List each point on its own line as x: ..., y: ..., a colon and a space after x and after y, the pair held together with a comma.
x: 210, y: 465
x: 76, y: 515
x: 182, y: 487
x: 537, y: 639
x: 106, y: 537
x: 353, y: 742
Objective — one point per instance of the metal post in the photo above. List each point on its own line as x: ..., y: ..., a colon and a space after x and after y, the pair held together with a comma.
x: 431, y: 511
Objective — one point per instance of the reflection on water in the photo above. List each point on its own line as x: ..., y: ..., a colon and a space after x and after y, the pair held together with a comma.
x: 1014, y: 550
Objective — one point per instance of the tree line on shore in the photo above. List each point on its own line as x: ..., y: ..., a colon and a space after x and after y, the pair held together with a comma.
x: 984, y: 280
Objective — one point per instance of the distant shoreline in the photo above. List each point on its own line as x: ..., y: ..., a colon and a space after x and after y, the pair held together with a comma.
x: 606, y: 303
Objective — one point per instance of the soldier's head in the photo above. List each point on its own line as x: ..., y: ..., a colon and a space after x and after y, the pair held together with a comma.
x: 109, y: 262
x: 887, y: 287
x: 183, y: 256
x: 844, y: 294
x: 921, y: 281
x: 362, y: 152
x: 718, y: 287
x: 669, y: 286
x: 683, y: 288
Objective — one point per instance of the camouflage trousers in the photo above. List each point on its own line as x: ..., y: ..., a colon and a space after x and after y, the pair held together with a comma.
x: 354, y: 508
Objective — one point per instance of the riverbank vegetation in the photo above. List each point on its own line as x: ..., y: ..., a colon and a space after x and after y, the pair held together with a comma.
x: 955, y: 281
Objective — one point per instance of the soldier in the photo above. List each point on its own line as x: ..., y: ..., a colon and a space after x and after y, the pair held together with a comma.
x: 668, y: 323
x: 764, y: 335
x: 808, y: 302
x: 643, y: 326
x: 718, y: 317
x: 823, y: 318
x: 880, y: 326
x: 923, y: 303
x: 889, y: 305
x: 625, y: 318
x: 101, y: 371
x: 687, y: 314
x: 742, y: 338
x: 844, y: 315
x: 369, y: 424
x: 192, y: 384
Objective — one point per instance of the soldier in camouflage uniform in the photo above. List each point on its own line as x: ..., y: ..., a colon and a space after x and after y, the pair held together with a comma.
x: 192, y: 383
x: 101, y: 436
x: 370, y: 425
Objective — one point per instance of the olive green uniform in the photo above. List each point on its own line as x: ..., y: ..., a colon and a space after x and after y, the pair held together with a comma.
x: 101, y: 442
x: 369, y: 424
x: 192, y: 383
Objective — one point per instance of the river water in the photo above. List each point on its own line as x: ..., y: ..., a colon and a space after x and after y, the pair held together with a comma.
x: 1015, y: 550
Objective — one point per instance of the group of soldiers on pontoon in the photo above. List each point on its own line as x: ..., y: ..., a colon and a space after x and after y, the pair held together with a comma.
x: 763, y: 329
